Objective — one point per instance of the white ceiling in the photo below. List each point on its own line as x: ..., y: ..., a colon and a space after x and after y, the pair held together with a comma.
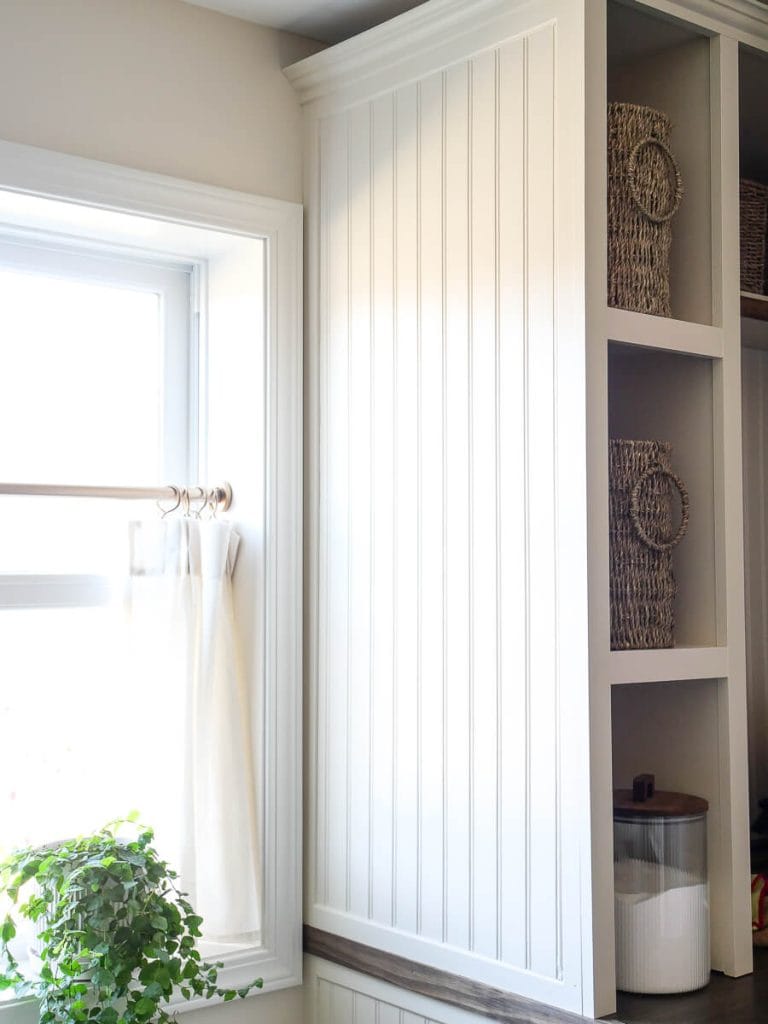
x: 327, y: 20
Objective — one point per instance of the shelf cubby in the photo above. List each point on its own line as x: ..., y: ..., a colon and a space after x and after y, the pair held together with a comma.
x: 665, y: 333
x: 675, y: 730
x: 659, y: 395
x: 661, y: 63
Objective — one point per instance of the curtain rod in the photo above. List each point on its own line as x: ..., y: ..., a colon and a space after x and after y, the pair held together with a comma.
x: 220, y: 495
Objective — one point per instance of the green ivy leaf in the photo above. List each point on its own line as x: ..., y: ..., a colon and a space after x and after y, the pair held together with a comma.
x: 144, y: 1008
x: 109, y: 917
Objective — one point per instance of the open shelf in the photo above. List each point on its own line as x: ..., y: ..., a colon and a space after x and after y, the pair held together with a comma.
x: 673, y: 665
x: 657, y: 62
x: 664, y: 333
x: 668, y: 396
x: 675, y: 730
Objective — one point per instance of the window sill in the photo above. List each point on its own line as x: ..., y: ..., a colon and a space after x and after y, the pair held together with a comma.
x: 240, y: 968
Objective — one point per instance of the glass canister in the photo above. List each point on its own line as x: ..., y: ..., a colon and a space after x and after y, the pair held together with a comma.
x: 661, y: 891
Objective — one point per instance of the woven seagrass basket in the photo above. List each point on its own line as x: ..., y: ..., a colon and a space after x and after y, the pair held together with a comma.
x: 753, y: 207
x: 642, y: 584
x: 644, y: 192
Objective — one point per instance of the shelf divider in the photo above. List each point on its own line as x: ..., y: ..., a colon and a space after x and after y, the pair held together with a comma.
x: 648, y: 331
x: 673, y: 665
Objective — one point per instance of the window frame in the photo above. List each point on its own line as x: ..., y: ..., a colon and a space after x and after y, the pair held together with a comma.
x: 168, y: 213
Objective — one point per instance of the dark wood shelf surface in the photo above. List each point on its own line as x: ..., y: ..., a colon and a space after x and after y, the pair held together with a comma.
x: 723, y: 1001
x: 755, y: 307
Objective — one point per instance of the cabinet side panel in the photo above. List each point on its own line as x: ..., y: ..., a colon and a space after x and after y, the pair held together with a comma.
x: 451, y: 400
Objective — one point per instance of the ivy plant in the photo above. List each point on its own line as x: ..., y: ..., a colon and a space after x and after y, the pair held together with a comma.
x: 116, y: 939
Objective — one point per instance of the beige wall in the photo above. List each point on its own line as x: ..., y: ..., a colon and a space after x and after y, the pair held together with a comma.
x: 158, y: 85
x: 283, y: 1007
x: 167, y: 87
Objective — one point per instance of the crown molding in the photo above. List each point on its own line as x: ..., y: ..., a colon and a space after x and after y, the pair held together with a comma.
x: 393, y: 43
x: 359, y: 61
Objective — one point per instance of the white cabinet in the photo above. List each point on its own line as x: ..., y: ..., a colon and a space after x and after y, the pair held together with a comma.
x: 466, y: 718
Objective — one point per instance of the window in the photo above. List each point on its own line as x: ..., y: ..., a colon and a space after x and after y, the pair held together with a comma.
x: 96, y: 387
x: 112, y: 386
x: 95, y: 358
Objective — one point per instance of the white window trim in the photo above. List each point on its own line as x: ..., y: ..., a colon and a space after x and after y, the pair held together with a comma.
x: 33, y: 172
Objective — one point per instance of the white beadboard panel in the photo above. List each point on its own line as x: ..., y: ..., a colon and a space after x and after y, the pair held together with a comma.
x: 340, y: 1005
x: 432, y: 457
x: 406, y: 492
x: 333, y: 744
x: 360, y: 508
x: 515, y: 905
x: 755, y: 454
x: 447, y: 279
x: 457, y: 722
x: 337, y: 995
x: 544, y: 923
x: 383, y: 510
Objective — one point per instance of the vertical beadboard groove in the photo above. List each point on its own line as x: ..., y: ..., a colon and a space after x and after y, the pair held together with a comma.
x: 419, y: 517
x: 555, y: 536
x: 362, y: 587
x: 395, y: 498
x: 431, y: 511
x: 348, y: 807
x: 457, y: 759
x: 444, y: 493
x: 372, y: 650
x: 497, y: 482
x: 527, y: 501
x: 511, y: 552
x: 439, y: 773
x: 470, y: 496
x: 321, y: 789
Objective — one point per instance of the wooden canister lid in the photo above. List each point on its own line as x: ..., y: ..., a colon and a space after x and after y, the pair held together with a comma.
x: 645, y: 801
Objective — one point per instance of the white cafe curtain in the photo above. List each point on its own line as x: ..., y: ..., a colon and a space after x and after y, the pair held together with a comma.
x: 181, y: 611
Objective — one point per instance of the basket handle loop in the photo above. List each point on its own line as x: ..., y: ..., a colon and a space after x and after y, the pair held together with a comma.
x: 634, y: 510
x: 674, y: 206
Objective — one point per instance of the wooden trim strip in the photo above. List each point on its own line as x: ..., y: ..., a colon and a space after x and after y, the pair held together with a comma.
x: 436, y: 984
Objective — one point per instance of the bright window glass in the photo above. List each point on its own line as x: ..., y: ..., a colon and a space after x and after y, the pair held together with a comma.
x: 94, y: 389
x: 87, y: 732
x: 81, y: 385
x: 93, y: 361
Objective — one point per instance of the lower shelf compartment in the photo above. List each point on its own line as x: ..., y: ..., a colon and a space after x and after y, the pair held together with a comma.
x: 725, y: 999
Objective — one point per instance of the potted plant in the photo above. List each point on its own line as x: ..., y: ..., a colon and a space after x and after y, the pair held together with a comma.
x: 116, y: 939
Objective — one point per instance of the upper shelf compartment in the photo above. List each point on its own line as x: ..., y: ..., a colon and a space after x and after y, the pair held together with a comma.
x: 666, y: 396
x: 660, y: 63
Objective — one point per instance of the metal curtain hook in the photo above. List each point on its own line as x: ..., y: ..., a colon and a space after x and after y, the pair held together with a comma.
x: 167, y: 511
